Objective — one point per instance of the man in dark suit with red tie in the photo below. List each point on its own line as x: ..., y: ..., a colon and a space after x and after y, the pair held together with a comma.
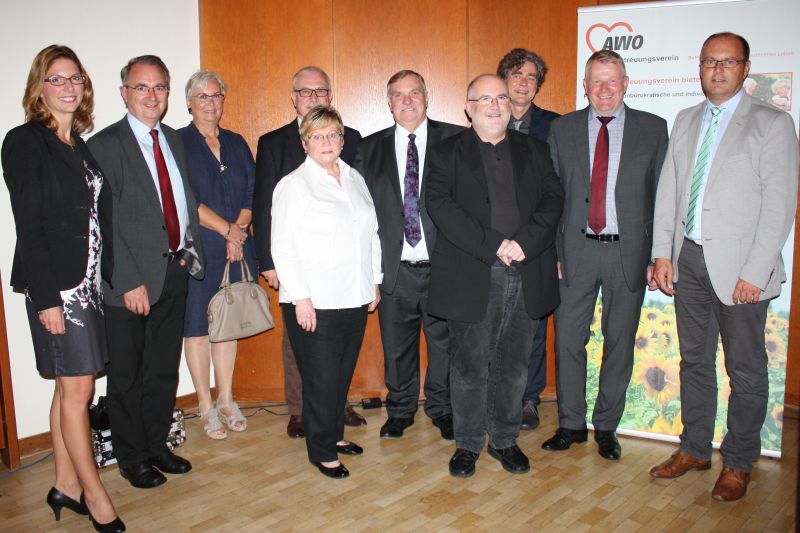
x: 279, y: 153
x: 392, y: 162
x: 155, y: 251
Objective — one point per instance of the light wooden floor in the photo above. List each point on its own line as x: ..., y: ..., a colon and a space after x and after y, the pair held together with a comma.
x: 261, y: 481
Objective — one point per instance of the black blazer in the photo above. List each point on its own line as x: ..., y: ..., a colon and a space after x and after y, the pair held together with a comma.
x: 50, y: 200
x: 377, y: 162
x: 279, y: 153
x: 540, y: 122
x: 458, y: 202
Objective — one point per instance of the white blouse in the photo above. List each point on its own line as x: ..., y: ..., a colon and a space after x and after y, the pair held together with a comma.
x: 325, y: 241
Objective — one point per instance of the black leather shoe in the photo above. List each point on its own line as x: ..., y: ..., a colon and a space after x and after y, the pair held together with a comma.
x: 335, y: 472
x: 57, y: 499
x: 394, y: 427
x: 351, y: 448
x: 295, y: 427
x: 115, y: 526
x: 607, y: 445
x: 169, y: 463
x: 142, y: 475
x: 512, y: 459
x: 530, y: 415
x: 462, y: 464
x: 445, y: 425
x: 564, y: 438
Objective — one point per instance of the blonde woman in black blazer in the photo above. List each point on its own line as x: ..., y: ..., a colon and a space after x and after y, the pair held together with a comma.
x: 62, y: 213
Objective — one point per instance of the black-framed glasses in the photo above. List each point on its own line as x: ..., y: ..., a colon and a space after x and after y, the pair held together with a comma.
x: 77, y: 79
x: 319, y: 93
x: 334, y: 137
x: 487, y: 100
x: 710, y: 62
x: 203, y: 97
x: 144, y: 89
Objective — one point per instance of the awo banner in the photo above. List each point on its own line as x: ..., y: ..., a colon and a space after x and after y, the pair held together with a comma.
x: 660, y: 42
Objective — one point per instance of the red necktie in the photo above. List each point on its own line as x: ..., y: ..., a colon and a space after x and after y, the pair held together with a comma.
x: 597, y: 208
x: 167, y: 199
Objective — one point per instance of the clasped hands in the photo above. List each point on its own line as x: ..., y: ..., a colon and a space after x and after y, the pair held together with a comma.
x: 235, y: 237
x: 509, y: 252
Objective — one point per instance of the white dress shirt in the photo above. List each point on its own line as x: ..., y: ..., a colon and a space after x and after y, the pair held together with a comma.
x: 142, y: 133
x: 325, y: 241
x: 420, y: 251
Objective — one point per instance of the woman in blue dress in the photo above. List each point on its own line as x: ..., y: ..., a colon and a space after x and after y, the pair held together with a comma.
x: 222, y: 175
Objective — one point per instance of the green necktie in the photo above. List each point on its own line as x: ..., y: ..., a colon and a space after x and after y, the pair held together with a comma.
x: 700, y: 166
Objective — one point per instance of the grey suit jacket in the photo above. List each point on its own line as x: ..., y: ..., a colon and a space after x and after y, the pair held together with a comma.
x: 750, y: 197
x: 644, y: 144
x: 140, y: 238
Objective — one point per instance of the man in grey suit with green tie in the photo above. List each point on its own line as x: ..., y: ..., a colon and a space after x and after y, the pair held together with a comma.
x: 726, y: 202
x: 608, y: 157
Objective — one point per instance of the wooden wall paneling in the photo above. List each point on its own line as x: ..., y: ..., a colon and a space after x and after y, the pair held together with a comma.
x: 9, y: 445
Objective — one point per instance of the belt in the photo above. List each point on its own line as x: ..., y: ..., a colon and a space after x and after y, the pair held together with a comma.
x: 174, y: 256
x: 602, y: 238
x: 416, y: 264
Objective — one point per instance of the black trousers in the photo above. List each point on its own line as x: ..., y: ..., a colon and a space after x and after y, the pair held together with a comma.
x: 145, y: 352
x: 326, y: 359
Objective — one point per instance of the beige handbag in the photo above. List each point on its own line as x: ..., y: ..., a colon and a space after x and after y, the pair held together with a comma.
x: 238, y: 310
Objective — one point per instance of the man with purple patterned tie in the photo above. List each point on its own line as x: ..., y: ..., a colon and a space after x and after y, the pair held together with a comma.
x: 392, y: 162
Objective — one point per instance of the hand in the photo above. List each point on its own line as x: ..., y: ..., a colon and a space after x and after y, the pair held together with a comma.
x: 236, y: 236
x: 137, y: 301
x: 651, y: 282
x: 509, y: 252
x: 52, y: 319
x: 272, y: 278
x: 374, y: 303
x: 234, y: 252
x: 662, y: 275
x: 560, y: 272
x: 306, y: 315
x: 745, y: 293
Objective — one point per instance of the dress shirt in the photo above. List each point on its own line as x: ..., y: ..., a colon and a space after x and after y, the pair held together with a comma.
x: 142, y: 133
x: 499, y: 170
x: 420, y: 251
x: 325, y: 240
x: 728, y: 108
x: 615, y: 129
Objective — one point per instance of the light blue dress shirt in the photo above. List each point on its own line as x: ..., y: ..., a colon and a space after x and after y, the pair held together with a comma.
x: 615, y: 129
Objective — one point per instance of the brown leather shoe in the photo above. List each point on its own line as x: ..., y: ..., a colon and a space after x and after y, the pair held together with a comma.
x: 351, y: 418
x: 731, y: 485
x: 295, y: 427
x: 677, y: 465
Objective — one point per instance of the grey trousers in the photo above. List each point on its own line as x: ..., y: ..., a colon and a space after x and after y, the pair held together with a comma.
x: 601, y: 266
x: 702, y: 318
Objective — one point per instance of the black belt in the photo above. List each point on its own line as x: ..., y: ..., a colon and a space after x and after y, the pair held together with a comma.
x: 602, y: 238
x: 416, y: 264
x: 174, y: 256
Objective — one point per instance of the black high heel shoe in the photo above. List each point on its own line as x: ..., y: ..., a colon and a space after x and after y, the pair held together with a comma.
x: 115, y: 526
x: 57, y: 500
x: 335, y: 472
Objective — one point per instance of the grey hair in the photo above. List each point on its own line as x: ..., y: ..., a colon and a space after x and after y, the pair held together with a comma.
x: 604, y: 56
x: 201, y: 77
x: 307, y: 70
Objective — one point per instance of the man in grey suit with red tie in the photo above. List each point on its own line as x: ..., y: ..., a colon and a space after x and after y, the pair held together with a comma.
x: 608, y: 157
x: 392, y: 162
x: 726, y: 202
x: 155, y: 225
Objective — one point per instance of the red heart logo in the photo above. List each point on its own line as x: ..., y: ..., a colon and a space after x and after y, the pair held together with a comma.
x: 609, y: 29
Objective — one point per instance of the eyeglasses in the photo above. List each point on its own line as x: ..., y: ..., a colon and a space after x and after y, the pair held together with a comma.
x: 487, y: 100
x: 319, y: 93
x: 144, y: 89
x: 203, y: 97
x: 77, y: 79
x: 710, y: 62
x: 333, y: 137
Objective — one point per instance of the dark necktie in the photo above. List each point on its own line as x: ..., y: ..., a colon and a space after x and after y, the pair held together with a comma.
x: 411, y: 228
x: 167, y: 198
x: 597, y: 208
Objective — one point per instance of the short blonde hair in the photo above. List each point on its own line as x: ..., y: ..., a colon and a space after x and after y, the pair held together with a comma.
x: 320, y: 117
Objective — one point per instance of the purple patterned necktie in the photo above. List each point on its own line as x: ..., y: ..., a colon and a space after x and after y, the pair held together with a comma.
x: 411, y: 228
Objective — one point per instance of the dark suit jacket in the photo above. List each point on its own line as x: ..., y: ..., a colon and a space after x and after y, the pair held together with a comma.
x: 540, y: 122
x: 458, y: 202
x: 279, y: 153
x: 376, y: 160
x: 51, y: 202
x: 644, y: 145
x: 140, y: 237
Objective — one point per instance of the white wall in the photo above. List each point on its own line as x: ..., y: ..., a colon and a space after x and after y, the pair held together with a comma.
x: 104, y: 34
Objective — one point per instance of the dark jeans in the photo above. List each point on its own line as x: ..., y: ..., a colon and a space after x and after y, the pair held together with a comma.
x: 326, y: 359
x: 489, y: 364
x: 537, y: 368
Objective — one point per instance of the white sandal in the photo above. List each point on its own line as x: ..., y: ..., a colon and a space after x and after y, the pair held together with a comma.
x: 236, y: 420
x: 213, y: 427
